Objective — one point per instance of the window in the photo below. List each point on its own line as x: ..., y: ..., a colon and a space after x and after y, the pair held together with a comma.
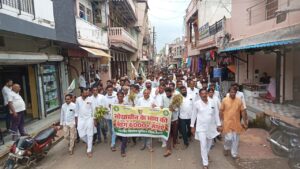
x: 271, y: 8
x: 82, y: 11
x: 89, y: 15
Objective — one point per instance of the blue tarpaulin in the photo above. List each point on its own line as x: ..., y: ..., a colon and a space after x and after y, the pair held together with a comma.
x: 262, y: 45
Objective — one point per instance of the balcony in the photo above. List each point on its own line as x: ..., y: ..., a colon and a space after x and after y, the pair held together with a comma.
x: 119, y: 37
x: 19, y: 5
x: 91, y: 35
x: 210, y: 34
x: 126, y: 8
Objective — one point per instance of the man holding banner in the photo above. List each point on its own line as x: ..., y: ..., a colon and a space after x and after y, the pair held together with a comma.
x: 146, y: 101
x: 166, y: 101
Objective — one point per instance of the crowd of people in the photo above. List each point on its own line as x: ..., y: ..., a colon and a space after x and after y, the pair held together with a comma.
x: 203, y: 114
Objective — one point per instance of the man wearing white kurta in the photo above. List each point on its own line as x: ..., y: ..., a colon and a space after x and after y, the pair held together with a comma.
x: 193, y: 91
x: 185, y: 114
x: 85, y: 113
x: 207, y: 116
x: 146, y: 101
x: 98, y: 100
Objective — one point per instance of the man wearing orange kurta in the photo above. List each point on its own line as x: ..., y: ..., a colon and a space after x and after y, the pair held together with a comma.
x: 231, y: 110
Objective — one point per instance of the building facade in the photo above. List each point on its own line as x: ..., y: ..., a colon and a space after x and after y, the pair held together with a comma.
x: 264, y: 36
x: 29, y: 56
x: 176, y: 52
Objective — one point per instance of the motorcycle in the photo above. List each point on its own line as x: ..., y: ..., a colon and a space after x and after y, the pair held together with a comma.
x: 285, y: 141
x: 27, y: 150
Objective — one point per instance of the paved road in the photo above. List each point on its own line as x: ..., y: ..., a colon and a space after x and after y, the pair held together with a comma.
x: 103, y: 158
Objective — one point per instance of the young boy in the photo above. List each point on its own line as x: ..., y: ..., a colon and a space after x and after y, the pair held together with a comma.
x: 68, y: 121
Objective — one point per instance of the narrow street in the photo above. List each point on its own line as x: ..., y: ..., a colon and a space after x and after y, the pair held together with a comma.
x: 59, y: 158
x: 150, y: 69
x: 255, y: 153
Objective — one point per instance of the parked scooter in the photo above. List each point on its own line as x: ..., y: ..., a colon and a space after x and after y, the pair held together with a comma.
x: 27, y: 150
x: 285, y: 142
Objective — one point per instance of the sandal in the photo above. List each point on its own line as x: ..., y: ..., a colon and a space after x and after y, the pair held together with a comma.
x: 113, y: 149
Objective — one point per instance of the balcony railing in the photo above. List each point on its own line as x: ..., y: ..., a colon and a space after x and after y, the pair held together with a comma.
x: 264, y: 10
x: 21, y: 5
x: 127, y: 8
x: 206, y: 30
x: 88, y: 32
x: 120, y: 35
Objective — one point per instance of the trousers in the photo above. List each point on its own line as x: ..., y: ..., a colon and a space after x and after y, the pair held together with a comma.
x: 70, y: 135
x: 231, y: 143
x: 112, y: 133
x: 17, y: 123
x: 205, y: 145
x: 173, y: 135
x: 89, y: 141
x: 185, y: 130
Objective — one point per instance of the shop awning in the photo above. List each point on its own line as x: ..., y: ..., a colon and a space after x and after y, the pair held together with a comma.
x: 22, y: 58
x: 262, y: 45
x: 55, y: 58
x: 96, y: 52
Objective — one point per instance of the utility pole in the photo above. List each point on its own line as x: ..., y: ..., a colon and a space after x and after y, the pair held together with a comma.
x: 154, y: 39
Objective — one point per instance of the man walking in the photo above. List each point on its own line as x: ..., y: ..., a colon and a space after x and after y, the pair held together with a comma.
x: 98, y: 100
x: 109, y: 100
x: 146, y: 101
x: 166, y: 101
x: 206, y: 114
x: 85, y: 113
x: 185, y: 114
x: 68, y: 121
x: 17, y: 109
x: 231, y: 110
x: 5, y: 93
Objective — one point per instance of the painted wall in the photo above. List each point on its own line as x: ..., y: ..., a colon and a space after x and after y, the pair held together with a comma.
x: 64, y: 14
x: 238, y: 26
x: 43, y: 13
x: 211, y: 12
x: 44, y: 10
x: 25, y: 44
x: 261, y: 61
x: 267, y: 63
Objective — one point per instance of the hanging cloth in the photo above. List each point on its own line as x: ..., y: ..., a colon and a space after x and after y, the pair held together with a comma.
x: 207, y: 56
x: 200, y: 66
x: 212, y: 55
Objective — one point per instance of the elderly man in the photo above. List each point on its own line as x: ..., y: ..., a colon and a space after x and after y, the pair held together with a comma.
x: 207, y: 115
x: 146, y: 101
x: 17, y: 109
x: 230, y: 112
x: 192, y: 90
x: 85, y: 113
x: 5, y: 93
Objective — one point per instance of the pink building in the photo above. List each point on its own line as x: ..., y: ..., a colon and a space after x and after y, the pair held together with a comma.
x: 264, y: 36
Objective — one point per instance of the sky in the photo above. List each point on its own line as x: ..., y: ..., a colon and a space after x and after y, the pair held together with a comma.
x: 167, y: 18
